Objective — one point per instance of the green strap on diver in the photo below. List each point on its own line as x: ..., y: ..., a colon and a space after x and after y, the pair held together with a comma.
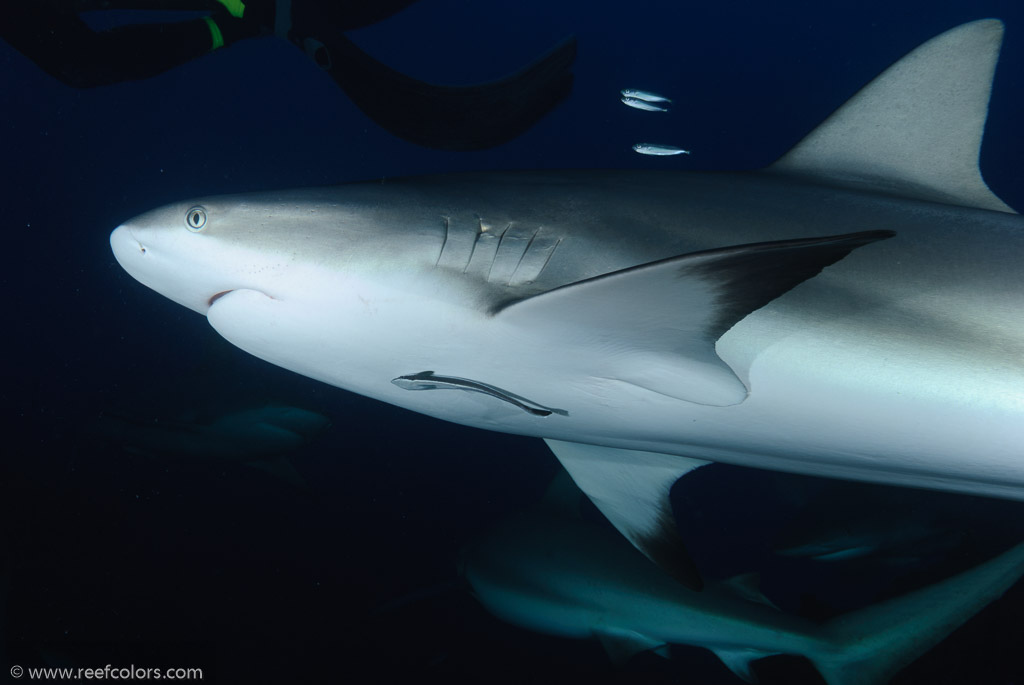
x: 236, y: 8
x: 216, y: 36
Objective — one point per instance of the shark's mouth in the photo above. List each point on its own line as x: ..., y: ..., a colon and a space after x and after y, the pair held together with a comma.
x: 219, y: 295
x: 238, y: 314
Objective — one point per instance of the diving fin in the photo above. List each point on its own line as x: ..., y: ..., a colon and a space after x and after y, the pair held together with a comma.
x: 443, y: 117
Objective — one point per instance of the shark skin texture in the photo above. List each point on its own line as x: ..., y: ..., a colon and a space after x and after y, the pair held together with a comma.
x: 852, y: 311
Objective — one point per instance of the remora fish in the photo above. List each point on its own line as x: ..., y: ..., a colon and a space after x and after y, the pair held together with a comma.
x: 675, y: 317
x: 644, y: 95
x: 548, y: 570
x: 428, y: 380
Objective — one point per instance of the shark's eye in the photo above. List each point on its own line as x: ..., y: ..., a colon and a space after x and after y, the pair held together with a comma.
x: 195, y: 219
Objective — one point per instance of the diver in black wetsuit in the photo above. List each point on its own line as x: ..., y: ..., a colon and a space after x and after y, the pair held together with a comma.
x: 51, y: 33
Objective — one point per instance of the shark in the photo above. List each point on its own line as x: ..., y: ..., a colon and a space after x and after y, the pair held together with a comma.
x: 243, y: 435
x: 549, y: 570
x: 853, y: 311
x: 856, y: 522
x: 258, y: 437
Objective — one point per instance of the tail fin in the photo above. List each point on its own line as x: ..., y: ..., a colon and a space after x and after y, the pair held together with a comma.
x: 871, y: 645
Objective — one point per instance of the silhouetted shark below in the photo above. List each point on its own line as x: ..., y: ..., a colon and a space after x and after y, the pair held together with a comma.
x: 257, y: 437
x: 548, y: 570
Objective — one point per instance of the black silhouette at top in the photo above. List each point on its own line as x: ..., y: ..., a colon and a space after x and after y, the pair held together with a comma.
x: 52, y: 34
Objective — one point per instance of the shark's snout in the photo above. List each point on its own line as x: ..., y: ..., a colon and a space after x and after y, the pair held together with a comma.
x: 126, y: 247
x: 152, y: 263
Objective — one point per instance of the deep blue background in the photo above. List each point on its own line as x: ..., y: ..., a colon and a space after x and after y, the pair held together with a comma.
x: 120, y: 559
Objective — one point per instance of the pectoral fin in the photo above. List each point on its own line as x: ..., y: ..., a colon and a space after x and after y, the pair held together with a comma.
x: 656, y: 325
x: 631, y: 489
x: 739, y: 661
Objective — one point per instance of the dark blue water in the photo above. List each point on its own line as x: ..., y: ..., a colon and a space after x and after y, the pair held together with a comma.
x: 118, y: 558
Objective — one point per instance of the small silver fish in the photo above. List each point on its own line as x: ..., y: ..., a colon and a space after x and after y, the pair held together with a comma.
x: 643, y: 104
x: 659, y: 150
x: 644, y: 95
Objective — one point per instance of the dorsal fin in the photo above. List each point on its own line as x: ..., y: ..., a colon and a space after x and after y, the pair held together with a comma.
x: 916, y: 129
x: 747, y: 586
